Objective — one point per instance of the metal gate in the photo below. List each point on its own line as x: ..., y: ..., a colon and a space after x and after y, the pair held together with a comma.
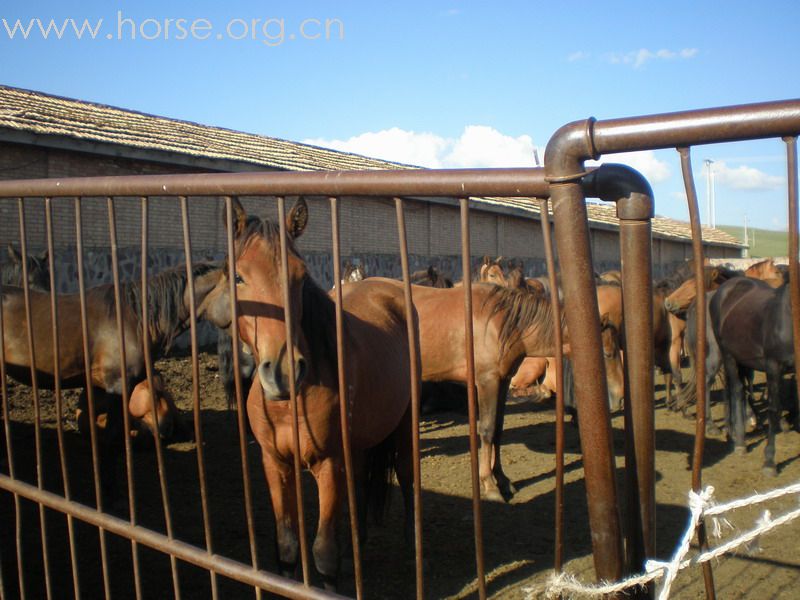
x: 565, y: 181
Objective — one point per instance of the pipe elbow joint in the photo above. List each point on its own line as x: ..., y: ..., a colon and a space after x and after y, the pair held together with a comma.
x: 567, y: 149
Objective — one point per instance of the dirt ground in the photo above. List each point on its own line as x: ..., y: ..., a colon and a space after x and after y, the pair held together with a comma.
x: 518, y: 535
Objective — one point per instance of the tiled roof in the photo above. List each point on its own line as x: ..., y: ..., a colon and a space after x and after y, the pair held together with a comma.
x: 38, y: 113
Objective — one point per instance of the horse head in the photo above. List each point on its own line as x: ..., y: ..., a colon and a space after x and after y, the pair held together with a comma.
x: 141, y: 404
x: 261, y: 296
x: 37, y: 266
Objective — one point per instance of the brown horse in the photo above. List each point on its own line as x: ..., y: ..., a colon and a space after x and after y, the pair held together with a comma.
x: 508, y: 325
x: 609, y: 303
x: 767, y: 271
x: 378, y: 378
x: 167, y: 299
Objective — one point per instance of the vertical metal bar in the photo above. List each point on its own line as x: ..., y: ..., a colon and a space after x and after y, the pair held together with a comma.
x: 700, y: 353
x: 413, y: 357
x: 637, y: 303
x: 558, y: 558
x: 794, y: 269
x: 148, y: 366
x: 583, y: 321
x: 126, y: 418
x: 10, y: 456
x: 87, y: 366
x: 198, y: 426
x: 466, y: 267
x: 298, y: 469
x: 62, y: 449
x: 240, y: 405
x: 37, y: 425
x: 344, y: 401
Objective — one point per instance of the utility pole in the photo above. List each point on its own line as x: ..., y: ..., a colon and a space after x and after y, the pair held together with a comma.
x: 710, y: 200
x: 746, y: 249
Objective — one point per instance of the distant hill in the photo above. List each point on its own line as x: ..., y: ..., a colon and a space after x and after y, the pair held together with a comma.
x: 767, y: 242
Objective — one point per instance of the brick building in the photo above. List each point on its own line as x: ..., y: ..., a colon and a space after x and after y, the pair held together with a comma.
x: 47, y: 136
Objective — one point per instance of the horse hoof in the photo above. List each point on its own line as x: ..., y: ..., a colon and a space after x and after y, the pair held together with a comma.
x: 712, y: 429
x: 786, y: 425
x: 769, y: 470
x: 740, y: 450
x: 494, y: 495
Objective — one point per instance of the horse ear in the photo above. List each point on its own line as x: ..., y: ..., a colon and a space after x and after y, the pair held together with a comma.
x: 13, y: 254
x: 486, y: 260
x: 297, y: 219
x: 44, y: 256
x: 239, y: 217
x: 604, y: 320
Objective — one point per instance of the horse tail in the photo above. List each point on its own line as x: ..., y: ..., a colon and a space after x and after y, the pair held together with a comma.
x: 687, y: 392
x: 570, y: 405
x: 380, y: 465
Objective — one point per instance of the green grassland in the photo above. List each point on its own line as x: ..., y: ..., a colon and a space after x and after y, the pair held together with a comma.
x: 767, y: 242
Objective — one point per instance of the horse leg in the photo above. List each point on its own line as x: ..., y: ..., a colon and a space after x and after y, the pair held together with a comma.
x: 773, y: 416
x: 404, y: 469
x: 491, y: 409
x: 280, y: 481
x: 734, y: 394
x: 326, y: 549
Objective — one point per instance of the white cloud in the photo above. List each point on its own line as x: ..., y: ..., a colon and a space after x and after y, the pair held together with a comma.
x: 578, y: 55
x: 646, y: 162
x: 745, y: 178
x: 638, y: 58
x: 478, y: 146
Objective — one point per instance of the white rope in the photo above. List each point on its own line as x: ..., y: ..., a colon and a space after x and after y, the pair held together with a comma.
x: 700, y: 505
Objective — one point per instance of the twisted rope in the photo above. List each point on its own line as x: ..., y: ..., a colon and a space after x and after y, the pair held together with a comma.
x: 700, y: 505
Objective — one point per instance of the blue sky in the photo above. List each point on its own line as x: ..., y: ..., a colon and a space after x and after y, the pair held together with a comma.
x: 435, y: 83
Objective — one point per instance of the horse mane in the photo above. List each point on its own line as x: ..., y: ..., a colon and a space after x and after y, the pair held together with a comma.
x: 318, y: 322
x: 522, y: 310
x: 166, y: 308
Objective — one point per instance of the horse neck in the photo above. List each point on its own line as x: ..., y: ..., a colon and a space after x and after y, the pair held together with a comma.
x: 318, y: 325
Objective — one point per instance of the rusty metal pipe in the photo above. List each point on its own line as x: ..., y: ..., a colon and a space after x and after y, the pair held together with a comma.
x: 240, y: 404
x: 98, y: 492
x: 126, y: 418
x: 466, y: 268
x: 62, y: 450
x: 583, y: 322
x: 198, y: 425
x: 287, y: 317
x: 186, y: 552
x: 413, y: 357
x: 634, y: 200
x: 700, y: 353
x: 37, y: 425
x: 148, y: 367
x: 453, y: 183
x: 558, y: 554
x: 344, y: 401
x: 794, y: 269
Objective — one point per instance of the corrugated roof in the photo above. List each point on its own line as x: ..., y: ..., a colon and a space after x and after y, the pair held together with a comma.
x: 44, y: 114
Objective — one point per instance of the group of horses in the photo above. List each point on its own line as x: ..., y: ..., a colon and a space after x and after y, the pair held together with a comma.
x: 514, y: 342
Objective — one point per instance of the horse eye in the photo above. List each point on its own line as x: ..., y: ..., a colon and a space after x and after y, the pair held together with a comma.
x: 238, y: 279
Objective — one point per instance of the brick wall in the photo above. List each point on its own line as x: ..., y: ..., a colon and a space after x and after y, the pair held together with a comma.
x: 368, y: 227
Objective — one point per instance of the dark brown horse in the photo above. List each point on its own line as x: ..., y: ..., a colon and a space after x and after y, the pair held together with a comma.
x: 508, y: 325
x: 378, y: 378
x: 37, y: 267
x: 751, y: 324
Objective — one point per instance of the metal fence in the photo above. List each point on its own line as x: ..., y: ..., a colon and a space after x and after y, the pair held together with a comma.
x: 564, y: 181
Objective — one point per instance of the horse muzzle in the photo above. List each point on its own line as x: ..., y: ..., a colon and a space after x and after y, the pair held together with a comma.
x: 274, y: 378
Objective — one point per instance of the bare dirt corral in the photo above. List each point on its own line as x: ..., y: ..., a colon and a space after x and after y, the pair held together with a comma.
x: 518, y: 536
